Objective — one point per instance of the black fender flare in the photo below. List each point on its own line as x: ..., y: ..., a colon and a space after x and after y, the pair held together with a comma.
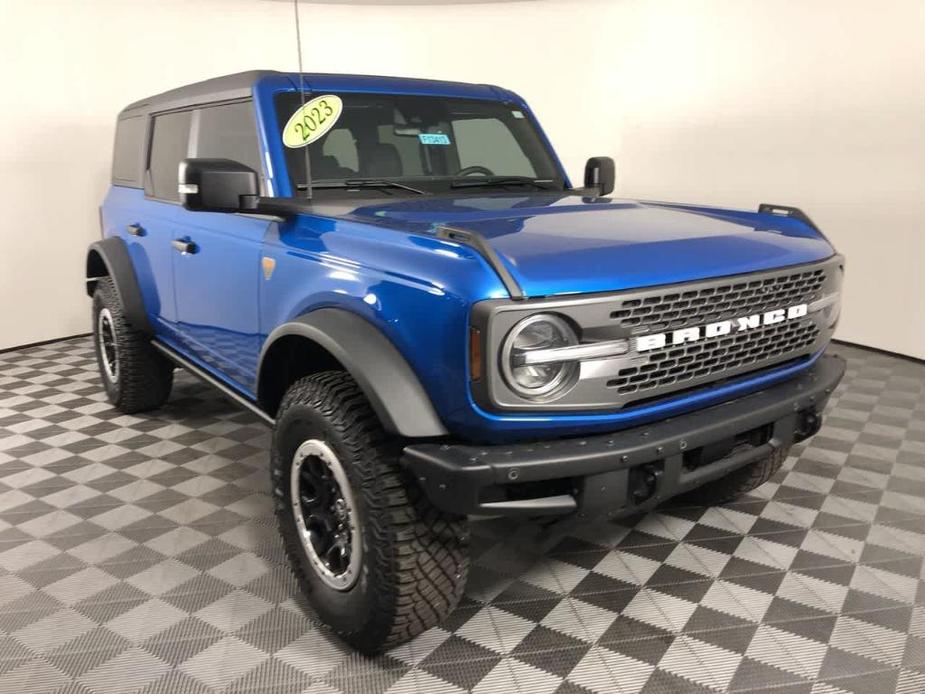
x: 109, y: 257
x: 383, y: 374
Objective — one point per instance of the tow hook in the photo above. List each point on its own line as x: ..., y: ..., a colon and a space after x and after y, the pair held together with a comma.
x: 808, y: 424
x: 644, y: 482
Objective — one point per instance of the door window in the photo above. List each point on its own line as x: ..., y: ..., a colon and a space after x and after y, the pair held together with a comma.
x: 229, y: 131
x: 169, y: 143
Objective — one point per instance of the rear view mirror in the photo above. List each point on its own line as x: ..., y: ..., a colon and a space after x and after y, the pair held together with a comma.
x: 600, y: 173
x: 218, y: 185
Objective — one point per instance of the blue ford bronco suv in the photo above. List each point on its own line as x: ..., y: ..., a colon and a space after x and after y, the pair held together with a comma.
x: 398, y: 276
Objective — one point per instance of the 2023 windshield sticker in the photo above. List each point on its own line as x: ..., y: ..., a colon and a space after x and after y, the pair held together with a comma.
x: 312, y: 120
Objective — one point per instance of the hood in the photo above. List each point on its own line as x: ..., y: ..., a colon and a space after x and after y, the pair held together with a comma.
x: 555, y: 244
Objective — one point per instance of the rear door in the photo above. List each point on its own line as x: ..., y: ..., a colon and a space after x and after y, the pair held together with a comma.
x: 216, y: 259
x: 147, y: 222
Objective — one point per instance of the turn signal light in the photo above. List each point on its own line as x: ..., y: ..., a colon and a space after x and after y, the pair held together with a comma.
x: 475, y: 354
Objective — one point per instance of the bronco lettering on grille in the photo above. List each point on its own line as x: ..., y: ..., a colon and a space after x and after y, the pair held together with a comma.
x: 645, y: 343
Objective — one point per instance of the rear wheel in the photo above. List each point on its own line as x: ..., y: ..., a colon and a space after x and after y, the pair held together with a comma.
x: 136, y: 376
x: 378, y: 563
x: 737, y: 482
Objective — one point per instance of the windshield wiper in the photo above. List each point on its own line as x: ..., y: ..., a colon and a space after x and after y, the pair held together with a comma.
x: 500, y: 181
x: 361, y: 183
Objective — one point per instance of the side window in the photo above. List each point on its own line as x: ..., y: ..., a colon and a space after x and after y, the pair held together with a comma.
x: 229, y: 131
x: 169, y: 142
x: 488, y: 142
x: 126, y: 154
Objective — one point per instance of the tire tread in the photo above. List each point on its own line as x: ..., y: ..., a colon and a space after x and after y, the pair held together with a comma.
x: 421, y: 552
x: 145, y: 375
x: 738, y: 482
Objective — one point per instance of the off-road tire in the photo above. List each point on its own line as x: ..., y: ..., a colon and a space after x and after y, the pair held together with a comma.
x: 145, y: 376
x: 414, y: 557
x: 737, y: 482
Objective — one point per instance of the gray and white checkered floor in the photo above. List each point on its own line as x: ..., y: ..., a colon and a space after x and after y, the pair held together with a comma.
x: 140, y: 554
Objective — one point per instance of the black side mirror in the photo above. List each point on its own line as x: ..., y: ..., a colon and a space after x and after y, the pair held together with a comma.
x: 218, y: 185
x: 601, y: 174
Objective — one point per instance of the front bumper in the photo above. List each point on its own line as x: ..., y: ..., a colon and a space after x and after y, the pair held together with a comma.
x: 627, y: 471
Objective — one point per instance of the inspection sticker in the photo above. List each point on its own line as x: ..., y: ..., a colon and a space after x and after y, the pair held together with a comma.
x: 312, y: 120
x: 434, y: 139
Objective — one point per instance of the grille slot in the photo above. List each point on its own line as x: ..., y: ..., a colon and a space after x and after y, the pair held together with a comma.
x: 686, y: 307
x: 674, y: 365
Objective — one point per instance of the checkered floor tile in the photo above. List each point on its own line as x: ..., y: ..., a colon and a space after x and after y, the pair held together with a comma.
x: 140, y: 554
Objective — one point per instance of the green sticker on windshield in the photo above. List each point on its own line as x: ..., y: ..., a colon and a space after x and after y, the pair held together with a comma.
x: 312, y: 120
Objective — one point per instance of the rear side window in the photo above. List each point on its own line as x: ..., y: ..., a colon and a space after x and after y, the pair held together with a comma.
x: 126, y: 154
x: 229, y: 131
x: 169, y: 144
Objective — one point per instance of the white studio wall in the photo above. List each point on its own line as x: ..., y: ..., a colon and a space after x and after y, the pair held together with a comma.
x: 819, y: 105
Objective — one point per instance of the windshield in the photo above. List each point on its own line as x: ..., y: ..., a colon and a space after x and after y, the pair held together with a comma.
x: 427, y: 144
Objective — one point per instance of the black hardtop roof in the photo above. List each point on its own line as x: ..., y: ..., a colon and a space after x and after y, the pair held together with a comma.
x: 214, y: 89
x: 239, y: 85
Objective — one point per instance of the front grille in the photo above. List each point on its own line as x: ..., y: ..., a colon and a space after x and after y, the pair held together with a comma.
x: 642, y: 377
x: 674, y: 366
x: 680, y: 308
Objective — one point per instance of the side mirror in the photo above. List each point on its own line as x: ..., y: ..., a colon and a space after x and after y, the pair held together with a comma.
x: 217, y: 185
x: 600, y: 174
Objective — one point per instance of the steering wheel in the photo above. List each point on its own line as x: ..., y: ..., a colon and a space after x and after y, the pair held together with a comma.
x: 470, y: 170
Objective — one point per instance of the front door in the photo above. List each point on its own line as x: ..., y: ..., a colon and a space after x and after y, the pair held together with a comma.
x: 217, y: 280
x: 216, y: 256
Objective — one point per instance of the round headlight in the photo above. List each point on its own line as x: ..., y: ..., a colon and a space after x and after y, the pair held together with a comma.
x: 544, y: 380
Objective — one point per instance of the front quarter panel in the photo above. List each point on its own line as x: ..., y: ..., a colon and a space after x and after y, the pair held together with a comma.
x: 416, y: 289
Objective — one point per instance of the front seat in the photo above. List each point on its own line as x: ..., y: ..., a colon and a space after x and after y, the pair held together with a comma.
x: 384, y: 162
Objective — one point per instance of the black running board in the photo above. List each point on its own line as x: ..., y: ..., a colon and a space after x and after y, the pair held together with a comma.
x: 204, y: 375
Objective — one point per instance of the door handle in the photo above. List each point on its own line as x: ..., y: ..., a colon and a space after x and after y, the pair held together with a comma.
x: 135, y: 230
x: 185, y: 246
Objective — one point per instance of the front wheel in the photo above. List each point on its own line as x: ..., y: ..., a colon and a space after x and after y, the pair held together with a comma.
x: 377, y: 562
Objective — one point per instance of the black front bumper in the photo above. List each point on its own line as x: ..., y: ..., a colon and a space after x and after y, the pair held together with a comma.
x: 627, y: 471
